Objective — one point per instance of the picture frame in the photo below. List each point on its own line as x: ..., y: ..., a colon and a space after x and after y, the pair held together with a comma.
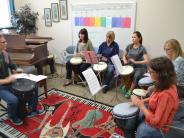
x: 47, y: 17
x: 63, y: 9
x: 55, y: 12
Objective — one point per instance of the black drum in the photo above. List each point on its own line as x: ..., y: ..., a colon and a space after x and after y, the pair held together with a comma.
x: 24, y: 90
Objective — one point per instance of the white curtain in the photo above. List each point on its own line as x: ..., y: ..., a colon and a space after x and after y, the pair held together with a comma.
x: 5, y: 14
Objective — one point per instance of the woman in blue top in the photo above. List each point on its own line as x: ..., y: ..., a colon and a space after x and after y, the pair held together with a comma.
x: 106, y: 50
x: 136, y: 55
x: 175, y: 54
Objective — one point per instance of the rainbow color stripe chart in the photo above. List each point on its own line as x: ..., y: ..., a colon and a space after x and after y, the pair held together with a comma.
x: 111, y: 22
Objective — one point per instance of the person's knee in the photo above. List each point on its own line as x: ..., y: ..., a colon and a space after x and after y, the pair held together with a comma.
x: 13, y: 100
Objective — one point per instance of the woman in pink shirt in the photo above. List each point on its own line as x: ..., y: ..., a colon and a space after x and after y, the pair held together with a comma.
x: 162, y: 104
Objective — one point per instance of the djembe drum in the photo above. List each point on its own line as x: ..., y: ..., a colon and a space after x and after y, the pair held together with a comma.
x: 141, y: 93
x: 75, y: 61
x: 24, y: 90
x: 126, y: 117
x: 126, y: 76
x: 100, y: 69
x: 145, y: 82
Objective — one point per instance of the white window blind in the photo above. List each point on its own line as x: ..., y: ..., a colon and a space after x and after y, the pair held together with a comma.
x: 5, y: 14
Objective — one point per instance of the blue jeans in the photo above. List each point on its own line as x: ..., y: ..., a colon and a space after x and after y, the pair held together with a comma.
x: 146, y: 131
x: 10, y: 99
x: 109, y: 74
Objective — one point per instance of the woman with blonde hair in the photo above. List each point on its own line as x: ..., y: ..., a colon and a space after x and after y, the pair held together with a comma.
x: 106, y: 50
x: 174, y: 52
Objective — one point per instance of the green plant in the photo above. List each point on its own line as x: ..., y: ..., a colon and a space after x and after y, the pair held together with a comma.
x: 24, y: 20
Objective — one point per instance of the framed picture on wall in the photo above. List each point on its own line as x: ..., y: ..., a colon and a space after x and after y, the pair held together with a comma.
x: 47, y: 17
x: 55, y: 12
x: 63, y: 9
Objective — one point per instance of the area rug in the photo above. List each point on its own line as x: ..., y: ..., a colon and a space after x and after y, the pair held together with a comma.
x: 66, y: 115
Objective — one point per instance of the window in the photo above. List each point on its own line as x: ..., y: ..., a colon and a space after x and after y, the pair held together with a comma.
x: 6, y: 11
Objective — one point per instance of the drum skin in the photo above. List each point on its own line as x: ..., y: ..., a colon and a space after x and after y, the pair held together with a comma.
x: 126, y: 116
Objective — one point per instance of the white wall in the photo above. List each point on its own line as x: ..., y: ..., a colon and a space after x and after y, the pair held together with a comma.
x: 157, y: 20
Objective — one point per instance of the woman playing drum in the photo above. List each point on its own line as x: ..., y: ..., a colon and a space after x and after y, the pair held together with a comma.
x: 162, y: 104
x: 84, y: 44
x: 106, y: 50
x: 136, y: 55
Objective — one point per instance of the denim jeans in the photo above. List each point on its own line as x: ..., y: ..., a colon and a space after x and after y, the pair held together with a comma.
x: 10, y: 99
x: 146, y: 131
x: 109, y: 74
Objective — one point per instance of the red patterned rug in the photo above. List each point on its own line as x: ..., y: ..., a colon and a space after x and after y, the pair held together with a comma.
x: 66, y: 115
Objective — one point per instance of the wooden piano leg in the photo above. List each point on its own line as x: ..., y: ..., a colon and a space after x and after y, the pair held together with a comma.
x: 39, y: 69
x: 51, y: 62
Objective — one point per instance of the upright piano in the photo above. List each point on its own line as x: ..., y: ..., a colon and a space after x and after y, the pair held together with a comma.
x: 29, y: 50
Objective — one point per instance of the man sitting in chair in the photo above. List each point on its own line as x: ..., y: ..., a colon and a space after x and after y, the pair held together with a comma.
x: 6, y: 80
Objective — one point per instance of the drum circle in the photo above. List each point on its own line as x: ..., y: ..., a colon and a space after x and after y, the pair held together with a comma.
x: 76, y: 60
x: 126, y: 116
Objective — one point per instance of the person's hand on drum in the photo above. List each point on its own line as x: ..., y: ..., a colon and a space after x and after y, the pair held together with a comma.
x: 132, y: 60
x: 104, y: 59
x: 136, y: 101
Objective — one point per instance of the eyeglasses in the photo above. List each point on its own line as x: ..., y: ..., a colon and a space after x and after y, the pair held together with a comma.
x: 151, y: 72
x: 167, y: 49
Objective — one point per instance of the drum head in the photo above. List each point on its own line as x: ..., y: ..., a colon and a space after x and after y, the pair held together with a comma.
x: 146, y: 81
x: 23, y: 85
x: 76, y: 60
x: 125, y: 110
x: 101, y: 66
x: 127, y: 70
x: 139, y: 92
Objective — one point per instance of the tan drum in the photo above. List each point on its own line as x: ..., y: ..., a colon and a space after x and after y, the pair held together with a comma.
x: 76, y: 60
x: 101, y: 66
x: 100, y: 69
x: 141, y: 93
x: 126, y: 76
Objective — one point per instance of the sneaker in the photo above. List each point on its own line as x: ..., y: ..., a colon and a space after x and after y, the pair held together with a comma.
x: 16, y: 121
x: 105, y: 89
x: 36, y: 112
x: 123, y: 90
x: 128, y: 94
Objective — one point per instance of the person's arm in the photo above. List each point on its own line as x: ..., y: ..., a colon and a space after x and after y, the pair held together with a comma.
x: 7, y: 80
x: 12, y: 66
x: 144, y: 61
x: 90, y: 45
x: 125, y: 61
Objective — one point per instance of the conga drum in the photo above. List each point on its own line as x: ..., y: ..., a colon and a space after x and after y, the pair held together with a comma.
x: 126, y: 117
x: 75, y: 61
x: 141, y: 93
x: 145, y: 82
x: 100, y: 69
x: 126, y: 76
x: 24, y: 90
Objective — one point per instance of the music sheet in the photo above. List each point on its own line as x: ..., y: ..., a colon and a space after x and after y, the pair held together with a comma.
x: 90, y: 57
x: 117, y: 64
x: 35, y: 78
x: 93, y: 83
